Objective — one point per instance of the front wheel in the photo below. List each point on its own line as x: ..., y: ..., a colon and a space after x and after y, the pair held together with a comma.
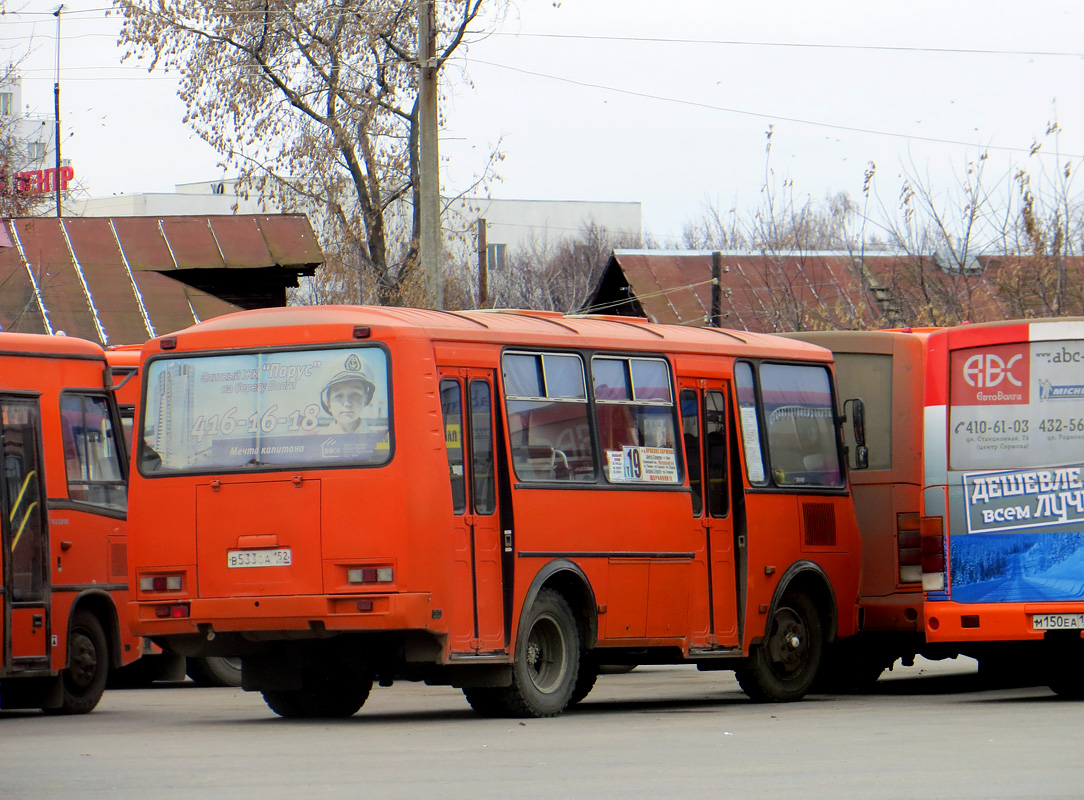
x: 783, y: 667
x: 545, y: 668
x: 83, y: 679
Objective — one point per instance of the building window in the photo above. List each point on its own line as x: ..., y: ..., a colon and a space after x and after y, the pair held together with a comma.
x: 6, y: 99
x: 37, y: 151
x: 495, y: 255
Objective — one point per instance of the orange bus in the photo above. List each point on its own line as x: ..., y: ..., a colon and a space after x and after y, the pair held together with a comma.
x: 63, y: 570
x: 497, y: 501
x: 970, y: 511
x: 155, y: 664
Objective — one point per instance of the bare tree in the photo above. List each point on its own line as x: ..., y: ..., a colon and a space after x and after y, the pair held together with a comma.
x: 316, y: 106
x: 549, y: 274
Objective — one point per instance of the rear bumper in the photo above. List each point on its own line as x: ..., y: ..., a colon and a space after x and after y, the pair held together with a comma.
x: 948, y: 622
x: 255, y: 615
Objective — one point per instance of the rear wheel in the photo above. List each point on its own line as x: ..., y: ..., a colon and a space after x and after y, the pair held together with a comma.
x: 214, y: 671
x: 83, y: 679
x: 783, y: 667
x: 326, y: 694
x: 545, y: 668
x: 1064, y: 657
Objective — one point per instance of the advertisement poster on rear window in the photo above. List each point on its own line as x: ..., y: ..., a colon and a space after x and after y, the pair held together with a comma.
x: 1016, y: 440
x: 253, y: 410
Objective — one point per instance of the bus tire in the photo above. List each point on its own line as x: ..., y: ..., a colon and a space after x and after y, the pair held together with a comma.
x: 327, y: 694
x: 214, y: 671
x: 83, y: 680
x: 545, y: 667
x: 785, y: 665
x: 585, y: 680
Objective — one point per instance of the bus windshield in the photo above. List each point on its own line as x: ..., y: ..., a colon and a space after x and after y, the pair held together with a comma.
x: 244, y: 411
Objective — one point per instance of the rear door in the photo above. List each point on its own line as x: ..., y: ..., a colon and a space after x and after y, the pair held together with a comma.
x: 467, y: 400
x: 707, y: 454
x: 24, y: 538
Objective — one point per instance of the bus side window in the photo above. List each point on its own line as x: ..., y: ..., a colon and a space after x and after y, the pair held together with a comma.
x: 715, y: 447
x: 451, y: 405
x: 92, y: 452
x: 546, y: 400
x: 690, y: 424
x: 22, y: 477
x: 483, y: 483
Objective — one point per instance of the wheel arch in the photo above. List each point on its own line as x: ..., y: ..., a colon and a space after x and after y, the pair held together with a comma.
x: 810, y: 578
x: 100, y: 603
x: 567, y: 578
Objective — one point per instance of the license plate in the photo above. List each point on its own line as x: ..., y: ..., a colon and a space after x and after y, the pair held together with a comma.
x: 259, y: 558
x: 1057, y: 622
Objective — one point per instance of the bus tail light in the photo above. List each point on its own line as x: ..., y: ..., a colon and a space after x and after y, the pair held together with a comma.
x: 370, y: 575
x: 176, y: 611
x: 160, y: 583
x: 932, y: 536
x: 909, y: 544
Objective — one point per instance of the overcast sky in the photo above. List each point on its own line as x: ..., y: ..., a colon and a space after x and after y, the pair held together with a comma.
x: 662, y: 103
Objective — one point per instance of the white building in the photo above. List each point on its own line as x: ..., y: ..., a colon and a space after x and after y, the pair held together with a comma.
x: 34, y: 139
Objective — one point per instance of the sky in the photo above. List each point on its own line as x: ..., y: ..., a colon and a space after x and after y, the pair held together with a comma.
x: 666, y: 104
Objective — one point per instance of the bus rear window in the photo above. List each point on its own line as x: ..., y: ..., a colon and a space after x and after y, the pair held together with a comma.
x: 254, y: 410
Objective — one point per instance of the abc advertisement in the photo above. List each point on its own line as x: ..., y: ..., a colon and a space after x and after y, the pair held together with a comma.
x: 1016, y: 440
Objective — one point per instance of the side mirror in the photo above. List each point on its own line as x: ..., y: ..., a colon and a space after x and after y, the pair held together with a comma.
x: 858, y: 431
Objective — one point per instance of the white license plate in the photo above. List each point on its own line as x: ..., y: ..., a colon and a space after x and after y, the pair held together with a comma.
x: 1057, y: 622
x: 259, y: 558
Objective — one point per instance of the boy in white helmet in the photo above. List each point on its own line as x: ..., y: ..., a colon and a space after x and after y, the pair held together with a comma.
x: 346, y: 396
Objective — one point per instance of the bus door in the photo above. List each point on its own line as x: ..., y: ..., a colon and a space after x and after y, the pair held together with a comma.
x: 707, y: 456
x: 469, y: 432
x: 24, y: 538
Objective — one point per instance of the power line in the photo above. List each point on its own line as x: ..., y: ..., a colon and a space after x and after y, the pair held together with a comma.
x: 811, y: 45
x: 756, y: 114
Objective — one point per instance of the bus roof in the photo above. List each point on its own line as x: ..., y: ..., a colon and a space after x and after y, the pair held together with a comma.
x: 24, y: 344
x: 322, y: 324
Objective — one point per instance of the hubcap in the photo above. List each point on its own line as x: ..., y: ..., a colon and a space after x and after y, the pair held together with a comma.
x: 546, y: 655
x: 84, y: 659
x: 787, y: 649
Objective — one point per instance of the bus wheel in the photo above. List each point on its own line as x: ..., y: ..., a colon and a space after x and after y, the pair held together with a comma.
x: 545, y: 668
x: 329, y: 695
x: 83, y: 680
x: 585, y: 681
x: 214, y: 671
x: 1062, y: 671
x: 783, y: 667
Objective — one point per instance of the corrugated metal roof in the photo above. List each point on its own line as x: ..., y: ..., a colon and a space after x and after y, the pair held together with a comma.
x: 107, y: 279
x: 771, y: 293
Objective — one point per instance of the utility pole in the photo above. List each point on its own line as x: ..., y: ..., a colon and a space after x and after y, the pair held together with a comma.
x: 429, y: 167
x: 483, y: 265
x: 716, y: 290
x: 56, y: 109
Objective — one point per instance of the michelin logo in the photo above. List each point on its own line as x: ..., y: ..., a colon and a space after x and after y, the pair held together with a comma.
x: 1048, y: 391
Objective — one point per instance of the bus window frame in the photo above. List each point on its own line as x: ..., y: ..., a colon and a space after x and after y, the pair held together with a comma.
x: 139, y: 443
x: 770, y: 485
x: 585, y: 402
x: 672, y: 403
x: 119, y: 444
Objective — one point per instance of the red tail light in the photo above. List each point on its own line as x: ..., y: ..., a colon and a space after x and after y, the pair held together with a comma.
x: 932, y: 536
x: 908, y: 541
